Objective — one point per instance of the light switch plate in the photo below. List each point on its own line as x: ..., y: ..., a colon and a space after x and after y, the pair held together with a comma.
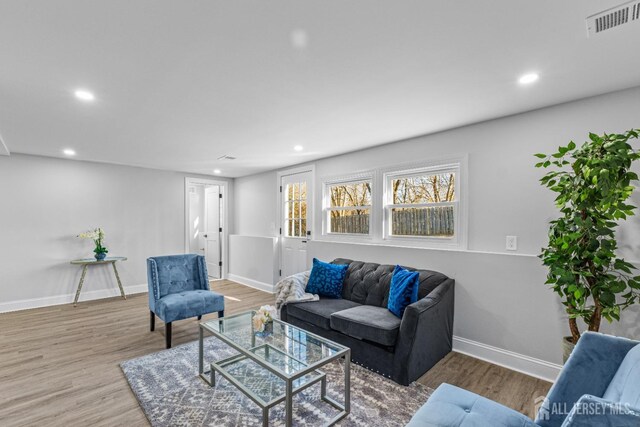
x: 512, y: 243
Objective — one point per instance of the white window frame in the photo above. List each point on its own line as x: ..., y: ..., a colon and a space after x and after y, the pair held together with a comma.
x: 455, y: 165
x: 326, y: 204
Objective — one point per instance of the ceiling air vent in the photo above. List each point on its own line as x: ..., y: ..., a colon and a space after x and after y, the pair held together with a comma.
x: 226, y: 157
x: 614, y: 17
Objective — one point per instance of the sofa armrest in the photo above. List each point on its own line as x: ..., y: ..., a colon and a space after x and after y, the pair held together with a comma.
x: 426, y: 333
x: 589, y: 370
x: 594, y: 411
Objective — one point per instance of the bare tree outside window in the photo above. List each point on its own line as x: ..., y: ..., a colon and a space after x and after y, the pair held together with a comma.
x: 424, y: 189
x: 349, y: 208
x: 423, y: 205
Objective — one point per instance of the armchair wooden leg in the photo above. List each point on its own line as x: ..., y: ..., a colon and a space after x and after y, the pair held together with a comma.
x: 220, y: 314
x: 167, y: 334
x: 152, y: 321
x: 200, y: 317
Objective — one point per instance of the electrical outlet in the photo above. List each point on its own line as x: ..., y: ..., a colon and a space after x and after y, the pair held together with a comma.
x: 512, y: 243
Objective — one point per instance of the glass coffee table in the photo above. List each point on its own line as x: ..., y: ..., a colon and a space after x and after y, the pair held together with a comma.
x: 287, y: 357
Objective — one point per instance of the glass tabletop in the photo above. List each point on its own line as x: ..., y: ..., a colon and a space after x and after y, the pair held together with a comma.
x: 284, y: 347
x: 95, y: 261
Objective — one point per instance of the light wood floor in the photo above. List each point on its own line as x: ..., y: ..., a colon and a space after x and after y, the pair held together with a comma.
x: 59, y: 366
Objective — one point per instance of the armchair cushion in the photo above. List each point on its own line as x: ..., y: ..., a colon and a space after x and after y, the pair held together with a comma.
x: 450, y: 406
x: 186, y: 304
x: 591, y: 411
x: 367, y: 322
x: 625, y: 386
x: 177, y: 274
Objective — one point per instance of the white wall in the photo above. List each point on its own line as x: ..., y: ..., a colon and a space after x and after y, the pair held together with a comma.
x: 501, y: 300
x: 46, y: 202
x: 253, y: 261
x: 259, y: 200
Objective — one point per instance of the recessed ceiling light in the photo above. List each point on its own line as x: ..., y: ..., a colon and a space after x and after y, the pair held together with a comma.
x: 217, y: 171
x: 528, y: 78
x: 69, y: 152
x: 298, y: 148
x: 84, y: 95
x: 299, y: 39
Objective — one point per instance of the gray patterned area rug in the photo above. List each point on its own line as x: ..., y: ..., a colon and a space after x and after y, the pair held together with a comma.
x: 171, y: 393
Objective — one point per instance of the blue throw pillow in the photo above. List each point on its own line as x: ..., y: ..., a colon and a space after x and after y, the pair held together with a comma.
x: 326, y: 279
x: 403, y: 291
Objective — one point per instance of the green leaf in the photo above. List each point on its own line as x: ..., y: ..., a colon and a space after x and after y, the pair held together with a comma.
x: 593, y: 198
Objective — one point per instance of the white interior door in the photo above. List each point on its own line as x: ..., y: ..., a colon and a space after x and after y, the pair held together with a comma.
x: 196, y: 220
x: 212, y: 230
x: 295, y: 222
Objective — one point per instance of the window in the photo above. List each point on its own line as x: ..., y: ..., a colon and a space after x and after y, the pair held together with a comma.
x: 295, y: 209
x: 348, y: 207
x: 422, y: 203
x: 417, y: 205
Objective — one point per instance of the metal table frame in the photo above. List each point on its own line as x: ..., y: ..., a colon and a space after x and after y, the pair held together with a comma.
x: 85, y: 263
x: 290, y: 390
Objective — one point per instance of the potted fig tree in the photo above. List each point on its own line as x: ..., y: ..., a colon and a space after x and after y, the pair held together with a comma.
x: 593, y: 183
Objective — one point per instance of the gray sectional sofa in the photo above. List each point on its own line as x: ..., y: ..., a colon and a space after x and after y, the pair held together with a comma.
x: 401, y: 349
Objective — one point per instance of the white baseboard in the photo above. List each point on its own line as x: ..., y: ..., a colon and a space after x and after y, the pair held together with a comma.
x: 515, y: 361
x: 68, y: 298
x: 267, y: 287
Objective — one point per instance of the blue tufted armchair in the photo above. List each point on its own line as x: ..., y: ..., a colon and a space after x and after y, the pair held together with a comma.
x: 179, y: 289
x: 599, y: 386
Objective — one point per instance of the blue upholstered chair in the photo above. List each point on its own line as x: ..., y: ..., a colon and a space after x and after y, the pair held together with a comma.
x: 598, y: 386
x: 179, y: 289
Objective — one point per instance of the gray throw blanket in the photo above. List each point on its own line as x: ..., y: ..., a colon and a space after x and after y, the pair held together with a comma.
x: 292, y: 289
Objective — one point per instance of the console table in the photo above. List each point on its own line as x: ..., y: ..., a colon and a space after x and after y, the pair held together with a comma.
x: 86, y: 262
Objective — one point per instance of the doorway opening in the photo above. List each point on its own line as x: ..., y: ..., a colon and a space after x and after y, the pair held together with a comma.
x: 205, y: 228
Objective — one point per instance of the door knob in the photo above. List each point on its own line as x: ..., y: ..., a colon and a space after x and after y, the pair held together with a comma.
x: 205, y: 236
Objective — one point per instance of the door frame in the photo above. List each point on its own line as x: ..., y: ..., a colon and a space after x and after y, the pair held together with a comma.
x: 311, y: 196
x: 224, y: 238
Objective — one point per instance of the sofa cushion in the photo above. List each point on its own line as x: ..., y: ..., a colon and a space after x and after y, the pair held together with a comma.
x: 404, y: 290
x: 318, y: 313
x: 326, y: 279
x: 625, y: 385
x: 369, y: 283
x: 367, y: 322
x: 450, y: 406
x: 187, y: 304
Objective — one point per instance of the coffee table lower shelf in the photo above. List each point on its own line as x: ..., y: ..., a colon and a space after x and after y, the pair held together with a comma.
x: 225, y: 366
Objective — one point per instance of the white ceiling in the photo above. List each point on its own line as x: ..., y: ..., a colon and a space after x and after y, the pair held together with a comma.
x: 180, y: 83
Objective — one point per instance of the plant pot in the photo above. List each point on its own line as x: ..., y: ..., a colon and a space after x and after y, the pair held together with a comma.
x: 567, y: 348
x: 100, y: 256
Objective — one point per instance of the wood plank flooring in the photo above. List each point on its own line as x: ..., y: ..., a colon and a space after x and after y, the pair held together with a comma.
x: 59, y: 366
